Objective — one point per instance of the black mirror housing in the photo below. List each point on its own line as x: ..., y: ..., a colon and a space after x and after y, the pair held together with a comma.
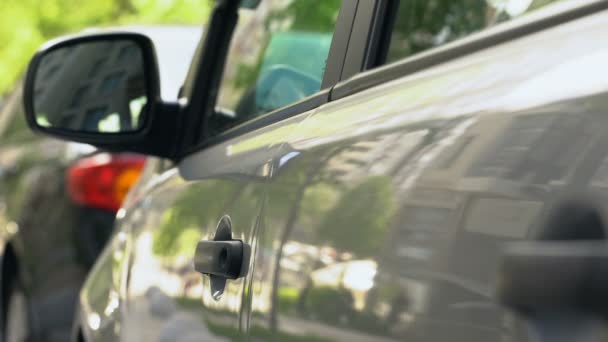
x: 154, y: 123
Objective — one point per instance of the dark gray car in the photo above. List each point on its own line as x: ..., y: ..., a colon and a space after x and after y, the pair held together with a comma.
x: 361, y: 171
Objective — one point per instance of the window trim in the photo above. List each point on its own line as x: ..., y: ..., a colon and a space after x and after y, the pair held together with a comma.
x: 302, y: 106
x: 364, y: 40
x: 336, y: 59
x: 331, y: 76
x: 481, y: 40
x: 204, y: 75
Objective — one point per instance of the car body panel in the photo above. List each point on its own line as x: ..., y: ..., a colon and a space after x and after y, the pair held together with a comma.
x: 165, y: 215
x: 386, y: 219
x: 380, y: 216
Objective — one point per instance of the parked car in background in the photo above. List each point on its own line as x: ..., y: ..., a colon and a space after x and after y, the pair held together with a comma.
x: 436, y: 171
x: 58, y: 200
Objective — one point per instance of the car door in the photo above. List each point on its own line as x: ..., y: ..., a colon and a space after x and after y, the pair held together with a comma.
x: 223, y: 184
x: 389, y: 207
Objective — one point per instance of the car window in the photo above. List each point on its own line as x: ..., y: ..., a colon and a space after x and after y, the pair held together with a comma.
x: 277, y: 56
x: 420, y: 25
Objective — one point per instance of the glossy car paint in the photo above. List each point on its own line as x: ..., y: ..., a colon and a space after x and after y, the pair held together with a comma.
x: 377, y: 217
x: 46, y: 240
x: 162, y: 297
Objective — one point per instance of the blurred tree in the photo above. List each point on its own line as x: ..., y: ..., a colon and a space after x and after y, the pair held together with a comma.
x: 423, y: 24
x: 301, y: 18
x: 364, y: 211
x: 199, y: 206
x: 303, y: 175
x: 26, y: 24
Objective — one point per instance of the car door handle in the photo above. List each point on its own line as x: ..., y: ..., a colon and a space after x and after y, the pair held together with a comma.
x: 222, y: 259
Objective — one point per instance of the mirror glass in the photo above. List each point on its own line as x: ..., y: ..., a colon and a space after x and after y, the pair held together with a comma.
x: 95, y: 87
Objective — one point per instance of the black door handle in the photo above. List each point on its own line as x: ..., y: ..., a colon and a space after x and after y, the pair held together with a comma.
x: 219, y: 258
x: 222, y: 258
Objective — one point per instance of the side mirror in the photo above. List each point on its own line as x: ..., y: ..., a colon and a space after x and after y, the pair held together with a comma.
x: 101, y: 89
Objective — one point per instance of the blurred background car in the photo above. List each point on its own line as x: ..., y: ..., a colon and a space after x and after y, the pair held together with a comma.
x: 58, y: 200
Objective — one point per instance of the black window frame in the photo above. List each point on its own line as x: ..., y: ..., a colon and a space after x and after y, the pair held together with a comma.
x: 199, y: 110
x: 369, y: 42
x: 354, y: 63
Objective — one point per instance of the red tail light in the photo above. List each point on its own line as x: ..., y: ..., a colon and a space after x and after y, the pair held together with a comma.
x: 102, y: 181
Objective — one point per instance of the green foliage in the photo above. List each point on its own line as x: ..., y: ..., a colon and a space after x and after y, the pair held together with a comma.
x: 197, y: 209
x: 302, y: 18
x: 318, y: 199
x: 197, y: 206
x: 330, y: 304
x: 26, y: 24
x: 287, y: 299
x: 260, y: 333
x: 363, y: 212
x: 423, y: 24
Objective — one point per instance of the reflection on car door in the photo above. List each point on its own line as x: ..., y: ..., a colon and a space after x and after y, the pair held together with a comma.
x: 388, y: 209
x: 183, y: 206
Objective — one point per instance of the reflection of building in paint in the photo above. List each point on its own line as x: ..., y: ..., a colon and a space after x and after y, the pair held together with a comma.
x: 488, y: 186
x: 515, y: 157
x: 460, y: 207
x: 378, y: 156
x: 472, y: 185
x: 538, y: 149
x: 505, y: 155
x: 79, y: 87
x: 477, y: 190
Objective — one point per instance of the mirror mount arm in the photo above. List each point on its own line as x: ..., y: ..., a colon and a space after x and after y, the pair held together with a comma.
x: 164, y: 130
x: 160, y: 138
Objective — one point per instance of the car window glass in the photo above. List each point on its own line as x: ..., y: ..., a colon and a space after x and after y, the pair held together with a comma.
x: 277, y: 56
x: 420, y: 25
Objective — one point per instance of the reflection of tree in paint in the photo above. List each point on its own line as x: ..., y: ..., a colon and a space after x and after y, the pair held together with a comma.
x: 200, y: 203
x: 365, y: 212
x: 198, y: 206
